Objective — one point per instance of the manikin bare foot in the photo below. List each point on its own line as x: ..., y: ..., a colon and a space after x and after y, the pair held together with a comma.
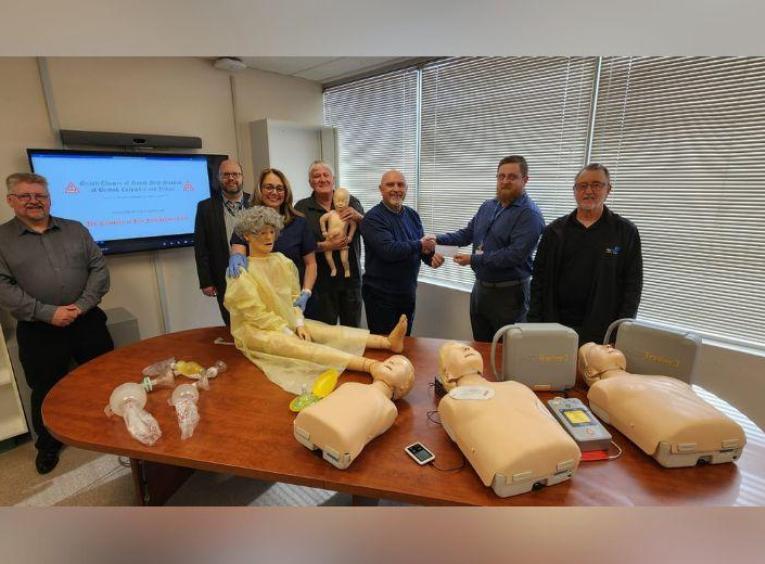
x: 396, y: 336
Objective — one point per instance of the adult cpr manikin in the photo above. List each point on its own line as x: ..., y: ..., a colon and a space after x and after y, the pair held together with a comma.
x: 272, y: 333
x: 346, y: 420
x: 661, y: 415
x: 508, y: 436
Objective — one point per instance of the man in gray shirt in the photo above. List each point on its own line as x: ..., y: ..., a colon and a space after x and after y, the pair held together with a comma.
x: 52, y: 277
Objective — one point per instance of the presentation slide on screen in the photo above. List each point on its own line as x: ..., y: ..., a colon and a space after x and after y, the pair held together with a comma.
x: 125, y: 197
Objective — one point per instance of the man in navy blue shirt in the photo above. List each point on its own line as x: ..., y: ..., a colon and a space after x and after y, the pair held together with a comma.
x: 394, y: 245
x: 504, y: 234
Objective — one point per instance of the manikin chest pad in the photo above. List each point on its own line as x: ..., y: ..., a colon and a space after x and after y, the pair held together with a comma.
x: 511, y: 439
x: 666, y: 419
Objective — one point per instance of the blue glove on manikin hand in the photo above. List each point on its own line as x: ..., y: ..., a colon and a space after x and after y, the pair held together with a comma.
x: 235, y: 262
x: 302, y: 300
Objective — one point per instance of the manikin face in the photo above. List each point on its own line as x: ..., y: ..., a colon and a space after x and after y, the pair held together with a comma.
x: 321, y: 180
x: 273, y: 191
x: 510, y: 182
x: 393, y: 189
x: 340, y: 199
x: 457, y: 360
x: 591, y: 190
x: 262, y: 242
x: 398, y: 373
x: 30, y: 202
x: 595, y: 360
x: 605, y: 357
x: 230, y: 177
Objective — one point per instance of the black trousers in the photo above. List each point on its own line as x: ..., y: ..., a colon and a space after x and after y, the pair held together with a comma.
x: 384, y: 309
x: 330, y: 305
x: 46, y: 353
x: 492, y: 308
x: 220, y: 293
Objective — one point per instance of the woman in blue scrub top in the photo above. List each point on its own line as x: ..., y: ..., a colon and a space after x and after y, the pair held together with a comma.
x: 296, y: 241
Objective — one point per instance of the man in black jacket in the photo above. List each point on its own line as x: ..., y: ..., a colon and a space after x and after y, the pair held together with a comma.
x: 213, y: 227
x: 588, y: 270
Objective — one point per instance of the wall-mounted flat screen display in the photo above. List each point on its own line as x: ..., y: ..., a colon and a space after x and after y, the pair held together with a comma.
x: 129, y: 201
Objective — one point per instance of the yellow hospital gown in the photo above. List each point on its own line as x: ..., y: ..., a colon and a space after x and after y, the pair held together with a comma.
x: 263, y: 322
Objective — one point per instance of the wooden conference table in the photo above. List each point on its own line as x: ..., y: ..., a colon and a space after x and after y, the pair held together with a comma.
x: 246, y: 429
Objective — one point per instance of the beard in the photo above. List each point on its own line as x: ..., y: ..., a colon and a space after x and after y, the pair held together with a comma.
x: 232, y: 189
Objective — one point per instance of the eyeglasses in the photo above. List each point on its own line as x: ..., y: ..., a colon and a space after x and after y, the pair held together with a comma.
x: 230, y: 174
x: 509, y: 177
x: 27, y: 197
x: 596, y: 186
x: 278, y: 188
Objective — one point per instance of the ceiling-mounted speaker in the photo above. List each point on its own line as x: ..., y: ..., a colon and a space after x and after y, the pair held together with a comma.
x: 230, y: 64
x: 115, y: 139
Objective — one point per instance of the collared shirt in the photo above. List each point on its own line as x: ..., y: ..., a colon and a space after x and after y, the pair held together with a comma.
x: 41, y: 271
x: 313, y: 211
x: 231, y: 210
x: 503, y: 237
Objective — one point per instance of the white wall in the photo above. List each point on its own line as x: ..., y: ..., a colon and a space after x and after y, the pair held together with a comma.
x: 178, y: 96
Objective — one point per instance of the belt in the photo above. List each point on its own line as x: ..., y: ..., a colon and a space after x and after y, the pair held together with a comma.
x: 505, y: 284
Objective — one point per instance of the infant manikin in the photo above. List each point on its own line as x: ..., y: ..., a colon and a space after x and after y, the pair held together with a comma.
x: 273, y: 333
x: 346, y: 420
x: 661, y: 415
x: 508, y: 435
x: 333, y: 227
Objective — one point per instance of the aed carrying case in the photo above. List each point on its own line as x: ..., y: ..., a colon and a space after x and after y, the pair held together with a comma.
x: 651, y: 348
x: 540, y: 355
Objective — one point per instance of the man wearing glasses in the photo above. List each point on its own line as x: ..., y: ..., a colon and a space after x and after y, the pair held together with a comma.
x: 503, y: 233
x: 213, y: 227
x: 52, y: 277
x: 588, y: 270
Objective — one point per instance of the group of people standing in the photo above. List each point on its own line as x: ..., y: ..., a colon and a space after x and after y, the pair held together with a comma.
x: 587, y: 271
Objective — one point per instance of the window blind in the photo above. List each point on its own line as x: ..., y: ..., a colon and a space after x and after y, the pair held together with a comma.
x: 376, y: 120
x: 476, y: 111
x: 684, y: 139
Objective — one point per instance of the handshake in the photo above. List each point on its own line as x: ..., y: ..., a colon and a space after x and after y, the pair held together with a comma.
x: 428, y: 243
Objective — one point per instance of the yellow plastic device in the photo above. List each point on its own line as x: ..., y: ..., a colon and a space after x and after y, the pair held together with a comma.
x: 322, y: 387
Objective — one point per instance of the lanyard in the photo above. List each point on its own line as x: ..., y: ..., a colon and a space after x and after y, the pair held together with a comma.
x: 232, y: 207
x: 497, y: 213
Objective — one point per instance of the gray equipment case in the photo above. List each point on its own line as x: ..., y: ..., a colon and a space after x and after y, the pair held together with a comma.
x: 540, y: 355
x: 651, y: 348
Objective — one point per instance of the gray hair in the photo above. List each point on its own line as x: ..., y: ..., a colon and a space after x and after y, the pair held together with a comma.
x: 314, y: 164
x: 254, y: 219
x: 594, y: 166
x: 25, y: 177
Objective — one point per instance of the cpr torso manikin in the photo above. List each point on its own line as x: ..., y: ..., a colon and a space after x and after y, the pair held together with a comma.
x: 346, y: 420
x: 511, y: 439
x: 661, y: 415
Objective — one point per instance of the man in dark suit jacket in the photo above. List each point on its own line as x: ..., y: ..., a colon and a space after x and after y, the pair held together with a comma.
x: 213, y: 226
